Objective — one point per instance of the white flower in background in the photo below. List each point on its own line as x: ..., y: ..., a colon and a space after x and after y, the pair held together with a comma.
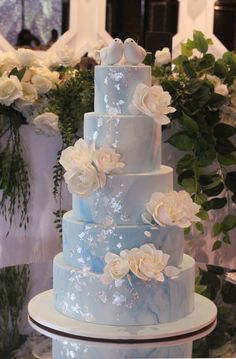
x: 219, y: 88
x: 10, y: 89
x: 47, y: 123
x: 75, y: 156
x: 67, y: 56
x: 27, y: 58
x: 162, y: 57
x: 106, y: 159
x: 84, y: 180
x: 116, y: 267
x: 8, y: 61
x: 50, y: 59
x: 146, y: 263
x: 173, y: 209
x: 153, y: 102
x: 43, y: 79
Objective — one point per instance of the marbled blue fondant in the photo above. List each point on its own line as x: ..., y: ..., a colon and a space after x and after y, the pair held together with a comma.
x: 86, y: 244
x: 136, y: 138
x: 81, y: 294
x: 115, y: 87
x: 122, y: 200
x: 78, y: 349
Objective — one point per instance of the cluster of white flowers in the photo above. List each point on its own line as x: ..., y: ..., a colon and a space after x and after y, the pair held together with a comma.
x: 219, y: 87
x: 26, y: 94
x: 86, y: 167
x: 145, y: 262
x: 153, y: 102
x: 171, y: 209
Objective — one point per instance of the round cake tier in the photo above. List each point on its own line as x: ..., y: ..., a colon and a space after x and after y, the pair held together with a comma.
x: 81, y: 294
x: 86, y: 244
x: 136, y: 138
x: 122, y: 200
x: 115, y: 87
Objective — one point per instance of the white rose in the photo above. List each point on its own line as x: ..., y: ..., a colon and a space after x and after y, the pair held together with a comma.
x: 10, y: 89
x: 153, y: 102
x: 8, y: 61
x: 47, y: 123
x: 50, y: 59
x: 83, y: 180
x: 162, y: 57
x: 43, y: 79
x: 106, y: 159
x: 173, y: 209
x: 67, y: 56
x: 75, y: 156
x: 29, y: 93
x: 116, y: 267
x: 27, y: 58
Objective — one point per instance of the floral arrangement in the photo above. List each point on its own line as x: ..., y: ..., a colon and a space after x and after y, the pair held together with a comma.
x: 86, y: 167
x: 146, y: 263
x: 203, y: 92
x: 48, y: 92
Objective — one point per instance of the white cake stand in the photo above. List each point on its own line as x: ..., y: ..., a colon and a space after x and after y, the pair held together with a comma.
x: 47, y: 320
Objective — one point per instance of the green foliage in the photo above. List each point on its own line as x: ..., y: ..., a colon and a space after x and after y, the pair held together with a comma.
x: 205, y: 142
x: 14, y: 176
x: 13, y: 289
x: 211, y: 283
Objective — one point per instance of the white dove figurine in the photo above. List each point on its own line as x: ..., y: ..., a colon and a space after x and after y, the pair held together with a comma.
x: 112, y: 54
x: 134, y: 54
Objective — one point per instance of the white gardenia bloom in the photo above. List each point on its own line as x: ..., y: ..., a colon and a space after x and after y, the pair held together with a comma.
x: 47, y: 123
x: 218, y: 86
x: 106, y: 159
x: 162, y: 57
x: 28, y: 58
x: 8, y: 61
x: 116, y: 267
x: 83, y: 180
x: 154, y: 102
x: 10, y: 89
x: 77, y: 155
x: 173, y: 209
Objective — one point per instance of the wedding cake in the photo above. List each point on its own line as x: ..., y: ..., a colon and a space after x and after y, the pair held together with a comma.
x: 122, y: 262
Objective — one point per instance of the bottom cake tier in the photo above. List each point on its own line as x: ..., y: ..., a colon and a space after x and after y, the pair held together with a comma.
x: 81, y: 294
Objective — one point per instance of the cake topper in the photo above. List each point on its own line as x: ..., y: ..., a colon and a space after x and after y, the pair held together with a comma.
x: 134, y: 54
x: 113, y: 53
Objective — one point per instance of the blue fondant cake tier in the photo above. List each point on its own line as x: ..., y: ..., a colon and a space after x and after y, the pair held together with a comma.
x: 136, y: 138
x: 81, y: 294
x: 115, y: 87
x: 86, y: 244
x: 122, y: 200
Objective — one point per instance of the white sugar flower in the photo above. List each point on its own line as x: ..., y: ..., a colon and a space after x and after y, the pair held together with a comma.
x: 47, y: 123
x: 116, y: 267
x: 84, y: 180
x: 10, y: 89
x: 106, y: 159
x: 173, y: 209
x: 153, y: 102
x: 75, y: 156
x: 162, y: 57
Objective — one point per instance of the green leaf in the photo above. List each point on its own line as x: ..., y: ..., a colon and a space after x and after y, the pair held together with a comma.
x: 199, y: 227
x: 214, y: 191
x: 182, y: 141
x: 189, y: 70
x: 193, y: 86
x: 186, y: 231
x: 214, y: 203
x: 228, y: 223
x: 202, y: 214
x: 200, y: 42
x: 184, y: 163
x: 217, y: 244
x: 188, y: 184
x: 202, y: 96
x: 200, y: 198
x: 206, y: 62
x: 18, y: 73
x: 217, y: 229
x: 187, y: 48
x: 230, y: 181
x: 227, y: 160
x: 226, y: 239
x: 220, y: 69
x: 223, y: 130
x: 189, y: 124
x: 224, y: 146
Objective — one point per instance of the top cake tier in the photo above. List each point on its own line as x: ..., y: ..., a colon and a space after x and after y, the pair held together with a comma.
x: 115, y: 87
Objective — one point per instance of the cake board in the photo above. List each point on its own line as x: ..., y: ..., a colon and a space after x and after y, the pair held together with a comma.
x: 46, y: 319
